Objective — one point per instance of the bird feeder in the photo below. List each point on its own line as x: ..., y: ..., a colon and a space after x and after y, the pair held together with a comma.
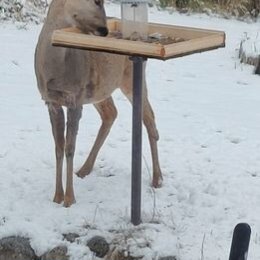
x: 134, y: 18
x: 134, y: 28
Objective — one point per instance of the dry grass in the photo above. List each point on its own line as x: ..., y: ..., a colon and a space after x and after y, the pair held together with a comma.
x: 23, y: 11
x: 34, y: 10
x: 237, y: 8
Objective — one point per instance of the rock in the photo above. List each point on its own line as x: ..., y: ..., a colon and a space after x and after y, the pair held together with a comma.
x: 16, y: 248
x: 168, y: 258
x: 115, y: 254
x: 98, y: 245
x: 57, y: 253
x: 71, y: 237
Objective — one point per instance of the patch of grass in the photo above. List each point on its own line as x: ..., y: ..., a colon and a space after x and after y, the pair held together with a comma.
x: 237, y: 8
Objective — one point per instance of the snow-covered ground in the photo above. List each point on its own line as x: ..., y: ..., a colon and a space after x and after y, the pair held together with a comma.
x: 251, y: 44
x: 207, y: 110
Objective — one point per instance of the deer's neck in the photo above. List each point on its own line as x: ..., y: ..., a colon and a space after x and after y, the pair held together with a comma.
x: 56, y: 18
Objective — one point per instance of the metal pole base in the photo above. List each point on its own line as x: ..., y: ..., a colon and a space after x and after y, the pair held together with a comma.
x: 240, y: 242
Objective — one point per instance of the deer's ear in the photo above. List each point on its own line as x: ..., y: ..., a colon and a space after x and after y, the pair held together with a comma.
x: 98, y: 2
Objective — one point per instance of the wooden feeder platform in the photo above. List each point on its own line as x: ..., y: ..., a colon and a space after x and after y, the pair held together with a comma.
x: 181, y: 41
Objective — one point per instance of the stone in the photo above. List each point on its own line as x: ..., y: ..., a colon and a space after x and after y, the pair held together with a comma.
x: 115, y: 254
x: 98, y: 245
x: 71, y: 237
x: 16, y: 248
x: 168, y: 258
x: 57, y: 253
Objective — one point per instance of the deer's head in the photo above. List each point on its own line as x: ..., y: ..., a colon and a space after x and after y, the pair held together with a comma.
x: 87, y: 15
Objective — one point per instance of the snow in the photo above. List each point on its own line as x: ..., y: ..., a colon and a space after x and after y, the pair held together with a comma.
x: 207, y: 113
x: 251, y: 44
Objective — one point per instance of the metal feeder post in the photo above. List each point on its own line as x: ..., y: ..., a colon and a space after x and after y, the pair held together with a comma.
x: 138, y: 75
x: 240, y: 242
x: 134, y: 19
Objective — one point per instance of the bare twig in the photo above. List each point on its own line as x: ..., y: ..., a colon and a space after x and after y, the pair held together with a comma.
x: 202, y: 248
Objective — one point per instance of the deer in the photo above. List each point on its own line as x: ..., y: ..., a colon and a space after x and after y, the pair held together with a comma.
x: 70, y: 78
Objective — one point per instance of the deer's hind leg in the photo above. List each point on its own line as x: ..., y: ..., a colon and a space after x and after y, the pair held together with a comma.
x: 108, y: 114
x: 58, y: 126
x: 148, y: 120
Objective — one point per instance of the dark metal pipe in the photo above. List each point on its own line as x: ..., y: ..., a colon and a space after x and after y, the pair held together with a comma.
x: 240, y: 242
x: 138, y: 74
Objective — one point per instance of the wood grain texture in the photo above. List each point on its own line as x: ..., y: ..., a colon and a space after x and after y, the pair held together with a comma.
x: 194, y: 40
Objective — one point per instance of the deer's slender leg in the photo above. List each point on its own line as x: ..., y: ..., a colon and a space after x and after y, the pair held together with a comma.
x: 73, y: 117
x: 58, y: 125
x: 149, y: 122
x: 108, y: 114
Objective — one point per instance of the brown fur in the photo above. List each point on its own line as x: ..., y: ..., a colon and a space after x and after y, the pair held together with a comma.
x: 71, y: 78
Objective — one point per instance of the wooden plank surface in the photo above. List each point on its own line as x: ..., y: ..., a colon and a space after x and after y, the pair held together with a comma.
x: 194, y: 40
x: 175, y: 31
x: 72, y: 39
x: 193, y: 46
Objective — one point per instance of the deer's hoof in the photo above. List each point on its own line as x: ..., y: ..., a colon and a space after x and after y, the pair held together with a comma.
x: 157, y: 182
x: 68, y: 201
x: 58, y: 198
x: 82, y: 173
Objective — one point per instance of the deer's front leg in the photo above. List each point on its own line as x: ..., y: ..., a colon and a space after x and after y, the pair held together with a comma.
x: 108, y: 113
x: 73, y: 117
x: 58, y: 126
